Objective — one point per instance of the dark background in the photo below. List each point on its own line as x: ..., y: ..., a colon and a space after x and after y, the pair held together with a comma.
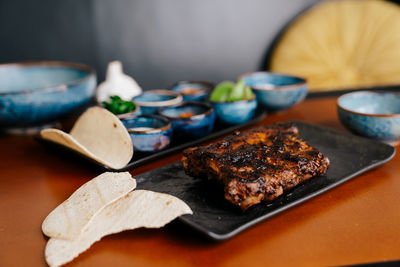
x: 158, y: 41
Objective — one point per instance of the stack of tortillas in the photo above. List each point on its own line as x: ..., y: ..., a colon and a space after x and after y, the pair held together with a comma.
x: 99, y: 135
x: 103, y: 206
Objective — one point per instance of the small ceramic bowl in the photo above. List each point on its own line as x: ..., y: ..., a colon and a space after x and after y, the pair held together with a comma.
x: 190, y: 119
x: 151, y: 101
x: 38, y: 92
x: 372, y: 114
x: 235, y: 112
x: 276, y: 91
x: 193, y: 90
x: 149, y: 133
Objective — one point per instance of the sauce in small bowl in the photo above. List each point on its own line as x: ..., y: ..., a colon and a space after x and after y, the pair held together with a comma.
x: 151, y: 101
x: 149, y: 133
x: 191, y: 119
x: 193, y: 90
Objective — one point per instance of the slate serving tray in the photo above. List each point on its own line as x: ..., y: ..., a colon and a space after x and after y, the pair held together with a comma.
x: 218, y: 219
x: 139, y: 158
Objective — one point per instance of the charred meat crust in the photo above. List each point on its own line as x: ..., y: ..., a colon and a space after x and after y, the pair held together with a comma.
x: 257, y: 165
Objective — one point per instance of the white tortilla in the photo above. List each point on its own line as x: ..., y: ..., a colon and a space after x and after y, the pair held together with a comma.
x: 68, y: 219
x: 139, y: 208
x: 99, y: 135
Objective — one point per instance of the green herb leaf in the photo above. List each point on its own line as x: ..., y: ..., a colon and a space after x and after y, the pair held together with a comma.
x: 119, y: 106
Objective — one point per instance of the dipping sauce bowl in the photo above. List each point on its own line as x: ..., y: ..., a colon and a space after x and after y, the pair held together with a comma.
x: 151, y: 101
x: 190, y: 120
x: 372, y: 114
x: 149, y: 133
x: 193, y: 90
x: 276, y: 92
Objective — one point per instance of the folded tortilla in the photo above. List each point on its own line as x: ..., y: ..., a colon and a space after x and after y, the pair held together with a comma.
x: 139, y: 208
x: 68, y: 219
x: 99, y: 135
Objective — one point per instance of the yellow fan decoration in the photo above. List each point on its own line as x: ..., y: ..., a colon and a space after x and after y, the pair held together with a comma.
x: 342, y: 45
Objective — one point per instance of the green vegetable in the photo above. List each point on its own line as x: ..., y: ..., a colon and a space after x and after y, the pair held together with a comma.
x: 229, y: 92
x: 119, y: 106
x: 222, y: 91
x: 248, y: 93
x: 237, y: 92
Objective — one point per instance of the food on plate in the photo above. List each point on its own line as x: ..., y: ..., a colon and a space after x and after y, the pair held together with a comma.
x: 257, y: 165
x: 99, y: 135
x: 117, y: 106
x: 228, y: 91
x: 70, y: 217
x: 139, y: 208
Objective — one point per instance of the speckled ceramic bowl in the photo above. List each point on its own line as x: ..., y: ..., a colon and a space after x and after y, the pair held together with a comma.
x: 193, y: 90
x: 276, y: 91
x: 190, y: 119
x: 149, y: 133
x: 151, y: 101
x: 235, y: 112
x: 38, y: 92
x: 372, y: 114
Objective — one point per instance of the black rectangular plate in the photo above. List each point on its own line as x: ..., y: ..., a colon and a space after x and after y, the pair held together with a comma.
x: 218, y: 219
x: 139, y: 159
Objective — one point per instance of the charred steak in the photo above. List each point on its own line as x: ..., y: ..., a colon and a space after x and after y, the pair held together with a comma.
x: 256, y: 165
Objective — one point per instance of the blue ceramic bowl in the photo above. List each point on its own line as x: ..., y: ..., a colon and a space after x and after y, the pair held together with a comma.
x: 372, y: 114
x: 190, y: 120
x: 151, y: 101
x: 235, y: 112
x: 38, y: 92
x: 149, y: 133
x: 193, y: 90
x: 276, y: 91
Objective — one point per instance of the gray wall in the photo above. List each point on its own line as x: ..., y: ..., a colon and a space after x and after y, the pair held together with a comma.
x: 158, y: 41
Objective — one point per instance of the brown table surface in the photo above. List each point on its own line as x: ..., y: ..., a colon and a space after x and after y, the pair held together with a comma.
x: 356, y: 222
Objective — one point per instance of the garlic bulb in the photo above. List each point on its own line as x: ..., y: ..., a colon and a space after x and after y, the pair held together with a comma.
x: 117, y: 83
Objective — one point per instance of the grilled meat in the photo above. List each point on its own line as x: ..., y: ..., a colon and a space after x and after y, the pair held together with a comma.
x: 256, y: 165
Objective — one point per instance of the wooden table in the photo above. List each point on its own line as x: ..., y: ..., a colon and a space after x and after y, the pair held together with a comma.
x: 356, y: 222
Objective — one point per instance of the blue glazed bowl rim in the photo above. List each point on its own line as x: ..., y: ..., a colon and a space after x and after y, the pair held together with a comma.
x: 176, y: 100
x: 362, y: 113
x: 209, y: 111
x: 276, y: 88
x: 73, y: 65
x: 209, y: 86
x: 156, y: 130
